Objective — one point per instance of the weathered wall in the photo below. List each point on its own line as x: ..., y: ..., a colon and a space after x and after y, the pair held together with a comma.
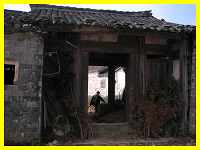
x: 22, y: 100
x: 192, y: 126
x: 94, y: 84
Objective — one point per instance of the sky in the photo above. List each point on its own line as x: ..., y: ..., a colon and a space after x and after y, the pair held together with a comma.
x: 177, y: 13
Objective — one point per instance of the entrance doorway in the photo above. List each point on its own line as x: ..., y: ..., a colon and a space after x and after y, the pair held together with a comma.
x: 106, y: 75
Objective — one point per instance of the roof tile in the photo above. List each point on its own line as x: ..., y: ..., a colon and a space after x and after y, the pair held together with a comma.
x: 50, y: 14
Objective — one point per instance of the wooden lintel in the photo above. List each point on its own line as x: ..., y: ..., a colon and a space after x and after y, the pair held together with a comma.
x: 98, y: 29
x: 105, y: 59
x: 156, y: 49
x: 109, y: 50
x: 104, y: 47
x: 99, y: 37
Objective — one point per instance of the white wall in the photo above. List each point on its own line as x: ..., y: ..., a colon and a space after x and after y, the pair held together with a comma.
x: 120, y: 82
x: 94, y: 84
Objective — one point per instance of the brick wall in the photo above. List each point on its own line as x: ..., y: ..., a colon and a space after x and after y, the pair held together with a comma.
x: 22, y: 100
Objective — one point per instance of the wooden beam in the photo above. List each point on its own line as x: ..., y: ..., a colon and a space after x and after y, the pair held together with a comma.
x: 155, y: 49
x: 109, y: 50
x: 99, y: 37
x: 90, y: 29
x: 155, y: 39
x: 107, y: 47
x: 122, y: 44
x: 104, y: 59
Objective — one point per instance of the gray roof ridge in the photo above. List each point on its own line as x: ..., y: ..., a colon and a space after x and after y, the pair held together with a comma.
x: 17, y: 11
x: 146, y: 13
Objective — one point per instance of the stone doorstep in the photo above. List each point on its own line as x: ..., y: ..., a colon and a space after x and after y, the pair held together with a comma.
x: 110, y: 129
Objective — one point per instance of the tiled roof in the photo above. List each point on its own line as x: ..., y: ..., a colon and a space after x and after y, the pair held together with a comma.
x: 14, y: 21
x: 11, y: 17
x: 51, y: 14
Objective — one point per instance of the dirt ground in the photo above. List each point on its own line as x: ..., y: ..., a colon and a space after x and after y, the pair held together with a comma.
x: 186, y: 141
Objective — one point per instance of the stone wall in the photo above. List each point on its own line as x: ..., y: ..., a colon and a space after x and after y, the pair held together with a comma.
x: 22, y: 100
x: 192, y: 126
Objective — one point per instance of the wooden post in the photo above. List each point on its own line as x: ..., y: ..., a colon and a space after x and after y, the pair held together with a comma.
x: 130, y: 84
x: 142, y: 61
x: 81, y: 79
x: 77, y: 72
x: 184, y: 84
x: 126, y: 92
x: 111, y: 84
x: 84, y: 82
x: 136, y: 76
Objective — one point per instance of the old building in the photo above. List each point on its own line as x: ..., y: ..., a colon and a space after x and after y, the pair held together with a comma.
x: 47, y: 54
